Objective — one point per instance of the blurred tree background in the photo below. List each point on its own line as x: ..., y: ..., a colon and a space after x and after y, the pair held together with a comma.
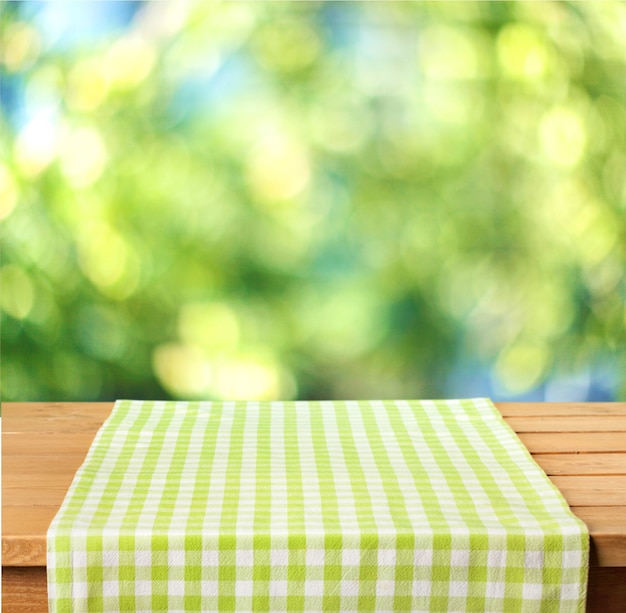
x: 313, y: 200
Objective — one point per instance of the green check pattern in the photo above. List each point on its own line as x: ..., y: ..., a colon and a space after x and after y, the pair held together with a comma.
x: 313, y: 506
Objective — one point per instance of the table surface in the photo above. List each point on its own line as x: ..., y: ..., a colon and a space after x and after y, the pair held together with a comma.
x: 580, y: 446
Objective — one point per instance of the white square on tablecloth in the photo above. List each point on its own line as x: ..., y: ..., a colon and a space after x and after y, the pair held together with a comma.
x: 386, y: 557
x: 385, y: 588
x: 458, y: 588
x: 210, y: 557
x: 532, y: 591
x: 315, y: 557
x: 209, y: 587
x: 143, y: 558
x: 460, y: 557
x: 176, y: 587
x: 245, y: 557
x: 422, y: 588
x: 143, y: 588
x: 278, y: 587
x: 350, y: 557
x: 279, y: 557
x: 111, y: 588
x: 244, y: 588
x: 313, y: 587
x: 494, y: 589
x: 533, y: 559
x: 176, y: 557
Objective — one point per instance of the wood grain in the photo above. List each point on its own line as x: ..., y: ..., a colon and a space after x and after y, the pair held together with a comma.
x: 25, y: 520
x: 607, y: 550
x: 24, y: 550
x: 39, y: 462
x: 56, y: 464
x: 567, y: 409
x: 562, y: 423
x: 586, y: 490
x: 25, y: 544
x: 574, y: 442
x: 56, y: 417
x: 32, y: 444
x: 606, y: 591
x: 603, y: 520
x: 24, y: 590
x: 582, y: 463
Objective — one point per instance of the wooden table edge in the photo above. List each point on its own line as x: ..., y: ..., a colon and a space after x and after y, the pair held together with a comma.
x: 30, y: 550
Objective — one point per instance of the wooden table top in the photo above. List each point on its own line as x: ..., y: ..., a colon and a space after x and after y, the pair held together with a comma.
x: 581, y: 447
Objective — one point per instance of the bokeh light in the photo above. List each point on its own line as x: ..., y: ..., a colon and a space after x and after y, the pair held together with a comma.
x: 313, y: 200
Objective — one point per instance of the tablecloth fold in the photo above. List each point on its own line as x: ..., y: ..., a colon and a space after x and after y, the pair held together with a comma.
x: 313, y: 506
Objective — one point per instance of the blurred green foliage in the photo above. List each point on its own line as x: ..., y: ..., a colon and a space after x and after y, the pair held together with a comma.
x: 315, y: 200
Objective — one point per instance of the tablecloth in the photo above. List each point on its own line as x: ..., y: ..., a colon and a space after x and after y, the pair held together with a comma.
x: 313, y: 506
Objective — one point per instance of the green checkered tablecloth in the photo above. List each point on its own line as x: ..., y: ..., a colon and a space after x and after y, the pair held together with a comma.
x: 313, y: 506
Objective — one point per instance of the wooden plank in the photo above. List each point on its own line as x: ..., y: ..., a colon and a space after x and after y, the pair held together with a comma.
x: 574, y: 442
x: 54, y: 417
x: 24, y: 534
x: 603, y: 520
x: 606, y: 591
x: 592, y: 491
x: 26, y: 520
x: 16, y: 445
x: 24, y: 550
x: 569, y: 409
x: 54, y: 481
x: 24, y: 590
x: 582, y: 463
x: 39, y: 465
x: 612, y: 423
x: 42, y: 464
x: 27, y: 496
x: 607, y: 550
x: 607, y: 528
x: 508, y: 409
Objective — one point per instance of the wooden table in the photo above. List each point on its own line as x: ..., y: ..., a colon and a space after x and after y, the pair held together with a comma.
x: 581, y: 446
